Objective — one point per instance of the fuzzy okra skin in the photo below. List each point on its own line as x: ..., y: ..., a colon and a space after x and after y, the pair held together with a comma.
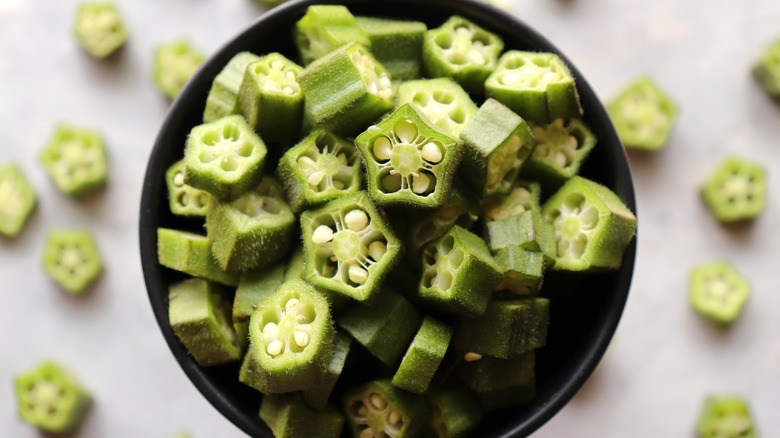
x: 523, y: 272
x: 527, y: 230
x: 183, y: 199
x: 75, y: 159
x: 643, y: 115
x: 561, y: 148
x: 17, y: 200
x: 222, y: 100
x: 767, y: 69
x: 441, y: 102
x: 253, y: 288
x: 500, y: 383
x: 736, y: 190
x: 72, y: 260
x: 423, y: 357
x: 318, y: 394
x: 99, y: 29
x: 718, y: 292
x: 324, y: 29
x: 288, y: 416
x: 522, y: 196
x: 191, y: 253
x: 455, y: 413
x: 396, y: 44
x: 174, y: 64
x: 383, y: 410
x: 726, y: 416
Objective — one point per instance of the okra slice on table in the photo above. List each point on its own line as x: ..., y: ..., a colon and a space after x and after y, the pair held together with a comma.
x: 288, y: 416
x: 441, y: 102
x: 523, y: 272
x: 199, y: 314
x: 458, y: 273
x: 75, y: 159
x: 317, y: 395
x: 500, y: 383
x: 537, y: 86
x: 726, y: 416
x: 17, y: 200
x: 72, y: 260
x: 454, y: 412
x: 379, y: 409
x: 718, y: 292
x: 527, y: 230
x: 561, y: 148
x: 592, y: 226
x: 497, y: 144
x: 396, y: 44
x: 183, y: 199
x: 460, y: 209
x: 643, y: 115
x: 253, y: 288
x: 324, y: 29
x: 463, y: 51
x: 423, y: 357
x: 49, y: 398
x: 407, y: 161
x: 522, y: 197
x: 224, y: 158
x: 222, y: 100
x: 350, y: 249
x: 174, y: 64
x: 767, y: 69
x: 99, y: 29
x: 321, y: 168
x: 190, y: 253
x: 736, y: 190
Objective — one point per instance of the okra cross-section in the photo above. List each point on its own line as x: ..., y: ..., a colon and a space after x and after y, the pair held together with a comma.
x: 592, y: 226
x: 75, y: 159
x: 522, y: 197
x: 460, y: 209
x: 736, y: 190
x: 718, y: 292
x: 325, y: 28
x: 408, y: 162
x: 174, y: 64
x: 183, y: 199
x: 441, y: 102
x: 254, y: 287
x: 99, y: 29
x: 349, y: 247
x: 191, y: 253
x: 222, y: 100
x: 537, y: 86
x: 17, y: 200
x: 72, y: 260
x: 224, y: 158
x: 288, y: 416
x: 396, y: 44
x: 378, y: 409
x: 523, y: 272
x: 643, y: 115
x: 500, y: 383
x: 454, y: 412
x: 423, y: 357
x: 767, y: 69
x: 561, y: 148
x: 726, y: 416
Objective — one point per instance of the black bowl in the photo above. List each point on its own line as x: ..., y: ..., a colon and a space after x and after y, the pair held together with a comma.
x: 585, y: 309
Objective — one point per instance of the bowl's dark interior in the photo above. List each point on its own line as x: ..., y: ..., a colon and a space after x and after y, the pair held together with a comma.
x: 585, y: 309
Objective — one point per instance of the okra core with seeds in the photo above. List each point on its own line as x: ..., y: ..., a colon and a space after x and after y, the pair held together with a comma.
x: 72, y: 260
x: 561, y: 148
x: 75, y: 159
x: 222, y: 100
x: 726, y: 416
x: 183, y: 199
x: 174, y: 64
x: 17, y: 200
x: 643, y: 115
x: 99, y: 29
x: 49, y: 398
x: 718, y: 292
x: 378, y: 409
x: 736, y: 190
x: 325, y: 28
x: 441, y: 102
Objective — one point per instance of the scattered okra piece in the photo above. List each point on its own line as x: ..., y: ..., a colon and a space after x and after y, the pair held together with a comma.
x: 523, y: 272
x: 521, y: 197
x: 736, y: 190
x: 75, y: 159
x: 289, y: 417
x: 767, y: 69
x: 174, y: 64
x: 455, y: 413
x: 17, y: 200
x: 380, y: 409
x: 183, y: 199
x: 99, y: 29
x: 441, y: 102
x: 72, y: 260
x: 527, y: 230
x: 643, y: 115
x: 253, y: 288
x: 423, y: 357
x: 561, y: 148
x: 500, y: 383
x: 191, y: 253
x: 222, y: 100
x: 726, y: 417
x: 324, y: 29
x: 317, y: 395
x: 718, y: 292
x: 396, y: 44
x: 49, y: 398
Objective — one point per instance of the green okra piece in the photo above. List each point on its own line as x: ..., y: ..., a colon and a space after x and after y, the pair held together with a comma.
x: 523, y: 196
x: 463, y: 51
x: 643, y: 115
x: 441, y: 102
x: 222, y: 100
x: 191, y: 253
x: 423, y: 357
x: 254, y: 287
x: 75, y: 159
x: 346, y: 89
x: 317, y: 395
x: 51, y: 399
x: 407, y: 161
x: 288, y: 416
x: 99, y: 29
x: 183, y: 199
x: 350, y: 249
x: 592, y: 226
x: 454, y: 412
x: 766, y: 70
x: 72, y: 260
x: 17, y: 200
x: 296, y: 270
x: 383, y: 410
x: 321, y: 168
x: 527, y: 230
x: 500, y: 383
x: 459, y: 274
x: 537, y: 86
x: 199, y: 314
x: 718, y: 292
x: 523, y: 272
x: 726, y: 416
x: 497, y: 144
x: 736, y: 190
x: 174, y: 64
x: 396, y: 44
x: 224, y: 158
x: 324, y: 29
x: 561, y: 148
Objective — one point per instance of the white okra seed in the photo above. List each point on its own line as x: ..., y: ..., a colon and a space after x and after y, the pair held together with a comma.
x: 357, y: 274
x: 315, y: 178
x: 306, y: 162
x: 378, y: 401
x: 387, y: 93
x: 277, y: 65
x: 271, y: 330
x: 275, y: 347
x: 363, y: 410
x: 356, y: 220
x: 292, y: 305
x: 367, y: 433
x: 377, y: 250
x: 431, y: 153
x: 476, y: 57
x: 322, y: 234
x: 395, y: 417
x: 472, y: 357
x: 420, y: 183
x: 301, y: 339
x: 178, y: 179
x: 272, y: 86
x: 383, y: 148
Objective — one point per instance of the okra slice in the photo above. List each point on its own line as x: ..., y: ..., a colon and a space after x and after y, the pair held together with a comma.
x: 460, y: 209
x: 454, y: 412
x: 350, y: 249
x: 537, y: 86
x: 458, y: 273
x: 500, y: 383
x: 289, y: 417
x: 222, y: 100
x: 396, y: 44
x: 224, y: 158
x: 592, y: 226
x: 346, y: 89
x: 183, y: 199
x: 174, y: 64
x: 49, y: 398
x: 527, y: 230
x: 441, y: 102
x: 75, y: 159
x: 253, y: 288
x: 317, y: 395
x: 379, y: 409
x: 463, y: 51
x: 296, y: 270
x: 321, y: 168
x: 17, y: 200
x: 271, y: 99
x: 523, y: 272
x: 767, y: 69
x: 199, y: 314
x: 407, y: 161
x: 498, y: 143
x: 522, y: 197
x: 643, y: 115
x: 324, y: 29
x: 253, y: 231
x: 423, y: 357
x: 72, y: 260
x: 718, y: 292
x: 736, y: 190
x: 561, y: 148
x: 190, y: 253
x: 99, y: 29
x: 726, y: 416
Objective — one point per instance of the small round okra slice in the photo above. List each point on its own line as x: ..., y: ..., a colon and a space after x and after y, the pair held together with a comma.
x: 321, y: 168
x: 592, y: 226
x: 49, y: 398
x: 522, y: 197
x: 726, y: 416
x: 288, y: 416
x: 527, y: 230
x: 17, y: 200
x: 718, y: 292
x: 183, y: 199
x: 500, y: 383
x: 174, y: 64
x: 454, y: 412
x: 72, y: 260
x: 643, y: 115
x: 224, y: 158
x: 350, y: 249
x: 561, y: 148
x: 75, y: 159
x: 537, y: 86
x: 460, y: 209
x: 736, y: 190
x: 523, y: 272
x: 767, y: 69
x: 191, y: 253
x: 199, y: 314
x: 99, y: 29
x: 222, y: 100
x: 423, y: 357
x: 325, y: 28
x: 317, y: 395
x: 441, y: 102
x: 463, y: 51
x: 378, y: 409
x: 407, y: 161
x: 396, y: 44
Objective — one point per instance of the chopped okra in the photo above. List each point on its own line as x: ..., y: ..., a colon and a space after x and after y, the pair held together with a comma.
x: 643, y: 115
x: 767, y: 69
x: 521, y: 197
x: 72, y: 260
x: 500, y: 383
x: 396, y: 44
x: 296, y: 270
x: 317, y: 395
x: 460, y: 209
x: 183, y: 199
x: 718, y: 292
x: 190, y: 253
x: 407, y: 161
x: 289, y: 417
x: 49, y: 398
x: 17, y: 200
x: 253, y: 288
x: 454, y: 413
x: 736, y: 190
x: 423, y: 357
x: 324, y: 29
x: 441, y: 102
x: 561, y: 148
x: 726, y: 416
x: 174, y: 64
x: 99, y: 29
x: 222, y: 100
x: 527, y: 230
x: 523, y: 272
x: 75, y: 159
x: 378, y: 409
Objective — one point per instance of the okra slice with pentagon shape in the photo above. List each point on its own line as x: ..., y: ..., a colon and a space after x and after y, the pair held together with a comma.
x: 407, y: 161
x: 49, y: 398
x: 183, y: 199
x: 500, y: 383
x: 441, y: 102
x: 174, y: 64
x: 592, y: 226
x: 253, y: 288
x: 454, y: 412
x: 767, y: 69
x: 289, y: 417
x: 423, y: 357
x: 379, y: 409
x: 523, y: 196
x: 317, y: 395
x: 643, y: 115
x: 75, y: 159
x: 718, y: 292
x: 324, y: 29
x: 224, y: 158
x: 736, y: 190
x: 190, y: 253
x: 72, y: 260
x: 537, y: 86
x: 561, y: 148
x: 199, y: 314
x: 527, y: 230
x: 523, y: 272
x: 726, y: 416
x: 17, y: 200
x: 463, y: 51
x: 460, y: 209
x: 222, y: 100
x: 296, y: 270
x: 396, y: 44
x: 99, y: 29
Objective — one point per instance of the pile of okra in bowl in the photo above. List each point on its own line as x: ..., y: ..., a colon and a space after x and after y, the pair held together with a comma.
x: 388, y: 218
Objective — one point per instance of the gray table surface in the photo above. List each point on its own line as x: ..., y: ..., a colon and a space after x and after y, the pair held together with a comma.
x: 665, y: 359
